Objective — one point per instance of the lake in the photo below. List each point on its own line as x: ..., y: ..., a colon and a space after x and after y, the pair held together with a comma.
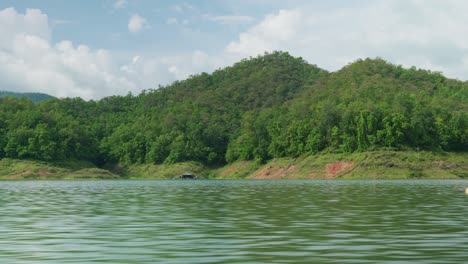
x: 219, y: 221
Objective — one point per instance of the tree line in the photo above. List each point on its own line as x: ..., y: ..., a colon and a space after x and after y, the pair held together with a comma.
x: 270, y: 106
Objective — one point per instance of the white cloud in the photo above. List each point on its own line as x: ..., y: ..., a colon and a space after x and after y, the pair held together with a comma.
x: 183, y: 7
x: 428, y: 34
x: 33, y: 22
x: 177, y: 8
x: 57, y: 22
x: 172, y: 21
x: 119, y: 4
x: 29, y: 62
x: 175, y: 21
x: 274, y: 32
x: 170, y: 68
x: 136, y: 23
x: 231, y: 20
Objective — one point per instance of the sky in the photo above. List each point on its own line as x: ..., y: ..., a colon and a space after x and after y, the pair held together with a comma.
x: 94, y: 49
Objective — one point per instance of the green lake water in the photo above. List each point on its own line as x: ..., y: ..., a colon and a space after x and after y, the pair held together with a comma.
x: 208, y: 221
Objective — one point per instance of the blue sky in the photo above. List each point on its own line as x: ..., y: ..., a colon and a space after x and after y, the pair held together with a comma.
x: 94, y: 49
x: 101, y: 24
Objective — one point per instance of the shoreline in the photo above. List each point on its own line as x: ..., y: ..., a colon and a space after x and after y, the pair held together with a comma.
x: 378, y: 165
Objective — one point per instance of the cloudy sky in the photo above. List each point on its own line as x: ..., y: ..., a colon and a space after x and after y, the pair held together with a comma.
x: 94, y: 49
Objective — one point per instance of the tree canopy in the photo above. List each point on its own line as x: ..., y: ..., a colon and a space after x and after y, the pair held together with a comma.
x: 260, y: 108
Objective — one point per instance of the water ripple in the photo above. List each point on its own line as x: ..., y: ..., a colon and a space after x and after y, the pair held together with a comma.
x: 233, y: 222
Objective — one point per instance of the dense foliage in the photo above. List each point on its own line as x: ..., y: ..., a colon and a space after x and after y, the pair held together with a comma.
x: 260, y: 108
x: 34, y: 97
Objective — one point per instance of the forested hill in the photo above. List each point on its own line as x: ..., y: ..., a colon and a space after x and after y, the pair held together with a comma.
x: 34, y: 97
x: 261, y: 108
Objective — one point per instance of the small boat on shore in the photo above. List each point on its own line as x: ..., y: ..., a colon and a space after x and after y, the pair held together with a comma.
x: 187, y: 176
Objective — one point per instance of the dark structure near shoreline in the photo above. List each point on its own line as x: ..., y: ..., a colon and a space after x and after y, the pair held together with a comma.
x: 188, y: 176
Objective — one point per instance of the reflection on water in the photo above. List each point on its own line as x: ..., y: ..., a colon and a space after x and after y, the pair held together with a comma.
x: 233, y: 222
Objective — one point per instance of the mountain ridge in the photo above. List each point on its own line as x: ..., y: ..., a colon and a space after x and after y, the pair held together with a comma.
x: 34, y: 97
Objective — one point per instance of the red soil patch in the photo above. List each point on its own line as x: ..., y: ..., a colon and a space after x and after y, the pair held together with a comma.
x: 273, y: 172
x: 333, y: 170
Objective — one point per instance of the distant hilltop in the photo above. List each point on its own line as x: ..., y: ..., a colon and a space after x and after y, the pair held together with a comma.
x: 34, y: 97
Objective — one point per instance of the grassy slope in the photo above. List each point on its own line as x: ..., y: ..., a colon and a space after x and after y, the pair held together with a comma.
x: 11, y: 169
x: 367, y: 165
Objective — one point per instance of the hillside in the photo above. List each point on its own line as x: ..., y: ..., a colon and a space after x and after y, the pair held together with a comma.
x: 367, y: 105
x: 34, y: 97
x: 265, y: 108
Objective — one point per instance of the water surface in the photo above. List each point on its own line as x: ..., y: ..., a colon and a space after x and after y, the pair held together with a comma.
x: 233, y: 222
